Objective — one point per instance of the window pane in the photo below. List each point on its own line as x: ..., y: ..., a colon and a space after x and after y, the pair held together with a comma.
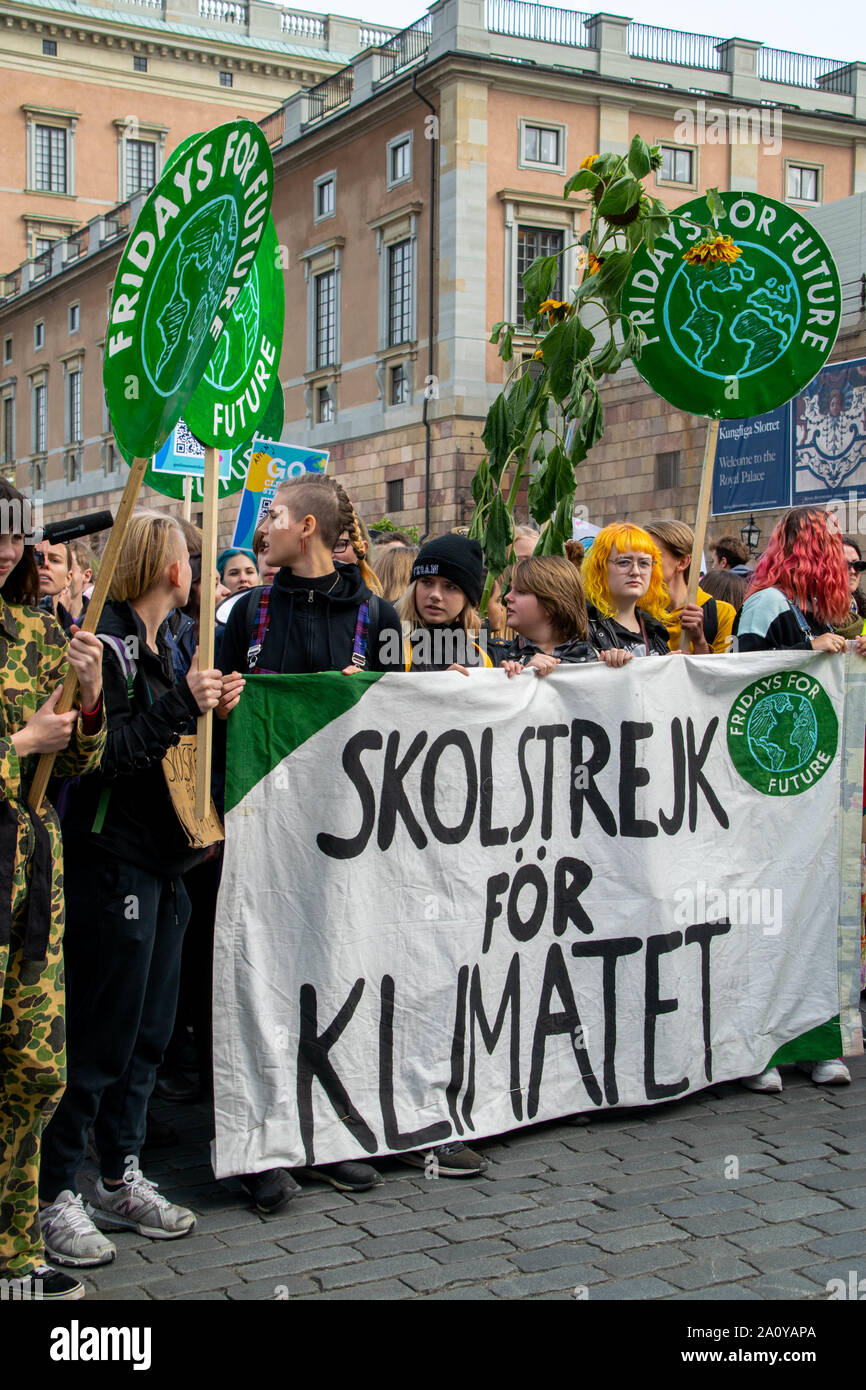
x: 400, y: 161
x: 50, y: 159
x: 809, y: 184
x: 8, y: 430
x: 531, y: 243
x: 324, y: 405
x: 73, y: 401
x: 531, y: 135
x: 683, y: 166
x: 326, y: 323
x: 325, y: 198
x: 549, y: 147
x: 39, y: 407
x: 399, y: 386
x: 140, y: 166
x: 667, y: 167
x: 399, y: 292
x: 793, y: 181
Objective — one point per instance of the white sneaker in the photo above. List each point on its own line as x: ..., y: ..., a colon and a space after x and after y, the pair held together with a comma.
x: 70, y: 1236
x: 768, y: 1081
x: 833, y: 1073
x: 137, y: 1206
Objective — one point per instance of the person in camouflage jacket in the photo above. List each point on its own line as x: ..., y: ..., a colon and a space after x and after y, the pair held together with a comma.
x: 34, y: 659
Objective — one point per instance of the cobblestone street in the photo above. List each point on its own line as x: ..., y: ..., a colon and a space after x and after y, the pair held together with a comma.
x: 725, y: 1195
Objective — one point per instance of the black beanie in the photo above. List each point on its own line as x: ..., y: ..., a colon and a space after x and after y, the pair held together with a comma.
x: 455, y: 558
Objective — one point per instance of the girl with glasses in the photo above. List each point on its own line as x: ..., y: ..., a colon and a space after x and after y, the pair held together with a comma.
x: 626, y: 595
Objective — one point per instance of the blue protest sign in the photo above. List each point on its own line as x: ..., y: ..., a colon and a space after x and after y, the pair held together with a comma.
x: 271, y: 463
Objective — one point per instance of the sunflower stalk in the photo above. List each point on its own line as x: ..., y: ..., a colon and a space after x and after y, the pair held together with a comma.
x: 571, y: 358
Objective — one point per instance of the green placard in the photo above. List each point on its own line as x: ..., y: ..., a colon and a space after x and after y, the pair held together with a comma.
x: 181, y: 272
x: 245, y: 364
x: 270, y: 426
x: 733, y: 340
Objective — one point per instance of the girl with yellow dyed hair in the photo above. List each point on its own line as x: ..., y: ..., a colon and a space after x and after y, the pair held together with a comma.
x: 626, y: 595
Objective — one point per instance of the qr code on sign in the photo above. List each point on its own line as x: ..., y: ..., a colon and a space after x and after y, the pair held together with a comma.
x: 185, y: 443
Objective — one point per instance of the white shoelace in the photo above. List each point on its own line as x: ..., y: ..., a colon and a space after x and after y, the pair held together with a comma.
x: 75, y: 1216
x: 137, y: 1185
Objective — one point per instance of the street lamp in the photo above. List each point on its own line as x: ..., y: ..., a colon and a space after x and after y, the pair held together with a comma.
x: 750, y: 534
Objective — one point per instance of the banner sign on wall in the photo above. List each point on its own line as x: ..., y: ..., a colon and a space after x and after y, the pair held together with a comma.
x: 753, y: 463
x: 507, y: 909
x: 811, y: 451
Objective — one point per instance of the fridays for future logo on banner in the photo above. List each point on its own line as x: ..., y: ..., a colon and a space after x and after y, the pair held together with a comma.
x: 438, y: 959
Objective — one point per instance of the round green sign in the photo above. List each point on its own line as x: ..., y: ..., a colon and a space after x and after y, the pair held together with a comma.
x: 245, y: 364
x: 783, y: 733
x: 268, y: 426
x: 733, y: 339
x: 179, y: 277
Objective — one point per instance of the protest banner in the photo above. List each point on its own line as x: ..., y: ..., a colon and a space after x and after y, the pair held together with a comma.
x: 271, y: 463
x: 454, y: 906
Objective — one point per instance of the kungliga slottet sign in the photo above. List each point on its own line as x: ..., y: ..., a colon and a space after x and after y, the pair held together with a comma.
x: 453, y: 906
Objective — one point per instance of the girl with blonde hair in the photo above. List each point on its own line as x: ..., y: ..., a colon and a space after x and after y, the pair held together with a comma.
x: 626, y: 595
x: 126, y: 909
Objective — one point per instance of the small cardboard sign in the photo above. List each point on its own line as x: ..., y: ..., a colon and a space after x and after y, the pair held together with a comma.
x: 179, y: 767
x: 271, y: 463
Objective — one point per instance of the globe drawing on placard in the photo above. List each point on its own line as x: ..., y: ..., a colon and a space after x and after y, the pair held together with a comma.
x: 782, y: 732
x: 238, y: 341
x: 182, y: 304
x: 733, y: 320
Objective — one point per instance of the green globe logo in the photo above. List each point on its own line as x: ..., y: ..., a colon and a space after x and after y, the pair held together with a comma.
x: 235, y: 352
x: 186, y: 292
x: 733, y: 320
x: 783, y: 733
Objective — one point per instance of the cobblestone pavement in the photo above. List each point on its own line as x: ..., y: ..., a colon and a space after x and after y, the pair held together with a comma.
x: 724, y: 1195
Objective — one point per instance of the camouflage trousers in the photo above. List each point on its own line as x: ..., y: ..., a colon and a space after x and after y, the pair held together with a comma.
x: 32, y: 1075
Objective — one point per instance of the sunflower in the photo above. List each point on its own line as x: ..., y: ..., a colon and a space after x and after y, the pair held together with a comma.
x: 589, y: 161
x: 713, y: 250
x: 556, y: 309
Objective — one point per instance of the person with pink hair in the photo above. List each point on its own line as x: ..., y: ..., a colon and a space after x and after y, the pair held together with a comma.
x: 798, y: 592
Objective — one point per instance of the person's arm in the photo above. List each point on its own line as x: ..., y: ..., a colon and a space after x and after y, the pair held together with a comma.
x: 139, y: 738
x: 83, y: 751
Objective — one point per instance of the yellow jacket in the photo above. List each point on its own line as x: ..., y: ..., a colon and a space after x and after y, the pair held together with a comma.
x: 722, y: 640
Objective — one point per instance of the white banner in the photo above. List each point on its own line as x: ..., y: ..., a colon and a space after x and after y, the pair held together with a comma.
x: 453, y: 906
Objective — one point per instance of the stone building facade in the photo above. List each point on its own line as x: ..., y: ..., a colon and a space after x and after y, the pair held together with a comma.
x: 412, y: 187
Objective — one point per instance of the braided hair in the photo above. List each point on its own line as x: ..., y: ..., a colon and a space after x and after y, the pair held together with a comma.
x: 349, y: 523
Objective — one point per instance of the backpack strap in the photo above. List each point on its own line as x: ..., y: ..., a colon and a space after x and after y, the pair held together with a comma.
x: 362, y: 633
x: 128, y: 664
x: 711, y: 621
x: 800, y: 618
x: 259, y: 628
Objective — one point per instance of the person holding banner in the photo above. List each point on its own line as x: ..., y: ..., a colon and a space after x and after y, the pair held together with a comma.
x: 799, y: 590
x: 547, y: 609
x: 316, y: 616
x: 127, y: 909
x: 626, y: 594
x: 707, y: 621
x: 33, y: 661
x: 441, y: 606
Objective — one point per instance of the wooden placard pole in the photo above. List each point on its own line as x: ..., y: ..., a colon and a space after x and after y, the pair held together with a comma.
x: 186, y: 512
x: 704, y: 499
x: 88, y: 623
x: 207, y: 619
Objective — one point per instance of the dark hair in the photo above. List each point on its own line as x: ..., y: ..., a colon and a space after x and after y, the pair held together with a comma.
x: 22, y: 586
x: 722, y: 584
x: 730, y: 549
x: 858, y: 597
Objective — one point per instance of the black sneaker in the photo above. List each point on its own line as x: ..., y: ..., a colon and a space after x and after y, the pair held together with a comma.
x: 347, y: 1177
x: 448, y: 1161
x: 53, y: 1284
x: 271, y: 1190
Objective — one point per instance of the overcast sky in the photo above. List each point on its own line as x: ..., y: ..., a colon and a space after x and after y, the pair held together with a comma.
x: 831, y: 29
